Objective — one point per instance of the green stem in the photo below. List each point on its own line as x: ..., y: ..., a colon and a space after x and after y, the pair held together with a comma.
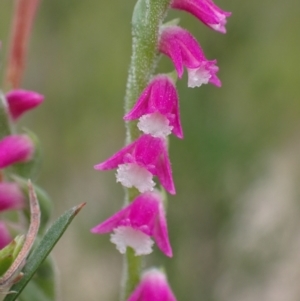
x: 147, y: 17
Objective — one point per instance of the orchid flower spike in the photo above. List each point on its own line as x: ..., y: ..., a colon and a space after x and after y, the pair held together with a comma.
x: 152, y: 287
x: 11, y: 196
x: 136, y: 223
x: 158, y: 108
x: 139, y: 161
x: 5, y: 237
x: 184, y: 50
x: 15, y: 149
x: 19, y: 101
x: 204, y: 10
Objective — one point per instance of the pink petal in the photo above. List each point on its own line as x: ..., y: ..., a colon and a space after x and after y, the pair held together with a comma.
x: 148, y: 152
x: 160, y: 233
x: 191, y: 56
x: 11, y: 196
x: 145, y: 214
x: 152, y: 287
x: 20, y: 101
x: 160, y: 96
x: 206, y: 11
x: 15, y: 149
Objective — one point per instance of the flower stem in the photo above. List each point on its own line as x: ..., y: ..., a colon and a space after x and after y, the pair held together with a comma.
x: 148, y: 15
x: 23, y: 18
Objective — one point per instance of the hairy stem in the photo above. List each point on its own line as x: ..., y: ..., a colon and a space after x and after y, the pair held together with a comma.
x: 147, y: 17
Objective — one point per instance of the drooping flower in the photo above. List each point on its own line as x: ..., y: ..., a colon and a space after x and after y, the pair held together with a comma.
x: 134, y: 225
x: 19, y: 101
x: 11, y: 196
x: 139, y: 161
x: 184, y: 50
x: 204, y: 10
x: 15, y: 149
x: 5, y: 237
x: 152, y: 287
x: 158, y: 108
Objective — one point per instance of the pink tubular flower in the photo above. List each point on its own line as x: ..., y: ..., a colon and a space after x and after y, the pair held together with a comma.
x: 135, y: 224
x: 15, y: 149
x: 158, y: 108
x: 19, y: 101
x: 204, y: 10
x: 5, y: 237
x: 11, y: 196
x: 153, y: 287
x: 139, y: 161
x: 183, y: 49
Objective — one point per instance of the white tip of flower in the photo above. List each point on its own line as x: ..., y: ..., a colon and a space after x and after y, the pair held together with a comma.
x: 198, y: 77
x: 125, y: 236
x: 133, y: 175
x: 155, y: 124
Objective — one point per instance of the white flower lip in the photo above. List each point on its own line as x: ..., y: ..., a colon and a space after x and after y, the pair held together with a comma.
x: 133, y: 175
x: 155, y: 124
x: 125, y: 236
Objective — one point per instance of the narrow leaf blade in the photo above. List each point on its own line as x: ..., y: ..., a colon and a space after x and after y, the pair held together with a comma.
x: 44, y: 247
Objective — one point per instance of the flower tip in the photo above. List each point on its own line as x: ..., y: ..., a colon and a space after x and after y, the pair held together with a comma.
x: 99, y: 166
x: 94, y: 230
x: 169, y: 253
x: 20, y: 101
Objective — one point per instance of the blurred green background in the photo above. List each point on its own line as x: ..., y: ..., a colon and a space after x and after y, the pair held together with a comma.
x: 234, y: 223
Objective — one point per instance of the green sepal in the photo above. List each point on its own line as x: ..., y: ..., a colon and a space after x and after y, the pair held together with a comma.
x: 42, y: 250
x: 31, y: 168
x: 171, y: 23
x: 10, y: 252
x: 173, y: 75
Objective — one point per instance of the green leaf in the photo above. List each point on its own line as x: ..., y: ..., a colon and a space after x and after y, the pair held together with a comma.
x: 44, y: 279
x: 40, y: 253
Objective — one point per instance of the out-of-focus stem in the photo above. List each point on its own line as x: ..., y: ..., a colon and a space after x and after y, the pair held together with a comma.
x: 23, y: 18
x: 147, y: 18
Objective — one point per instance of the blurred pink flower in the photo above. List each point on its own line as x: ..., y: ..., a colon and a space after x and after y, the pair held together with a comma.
x: 15, y: 149
x: 136, y: 223
x: 139, y: 161
x: 11, y: 196
x: 206, y: 11
x: 158, y: 108
x: 184, y: 50
x: 152, y: 287
x: 19, y: 101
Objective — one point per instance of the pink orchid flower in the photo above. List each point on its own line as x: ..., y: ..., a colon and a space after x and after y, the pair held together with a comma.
x: 20, y: 101
x: 139, y: 161
x: 204, y: 10
x: 184, y: 50
x: 15, y: 149
x: 152, y: 287
x: 158, y: 108
x: 136, y: 223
